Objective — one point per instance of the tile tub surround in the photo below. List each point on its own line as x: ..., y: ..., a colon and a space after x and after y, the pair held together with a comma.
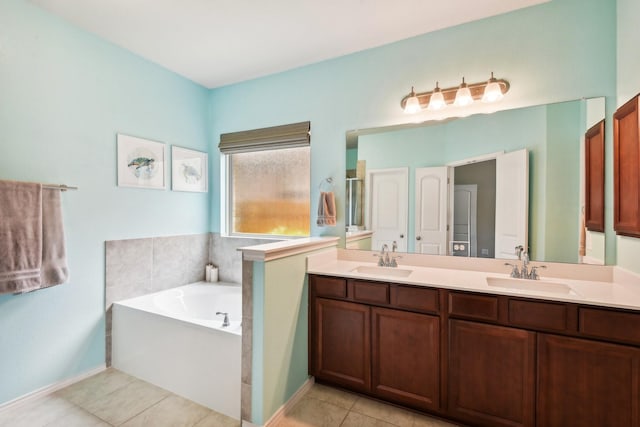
x: 136, y: 267
x: 224, y: 253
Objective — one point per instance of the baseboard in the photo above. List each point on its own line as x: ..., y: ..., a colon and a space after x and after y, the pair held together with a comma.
x: 282, y: 411
x: 29, y: 397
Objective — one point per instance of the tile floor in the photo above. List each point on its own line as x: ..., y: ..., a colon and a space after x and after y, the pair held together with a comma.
x: 112, y: 398
x: 324, y: 406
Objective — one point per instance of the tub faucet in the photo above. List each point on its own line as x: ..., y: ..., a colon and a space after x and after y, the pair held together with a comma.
x: 225, y: 322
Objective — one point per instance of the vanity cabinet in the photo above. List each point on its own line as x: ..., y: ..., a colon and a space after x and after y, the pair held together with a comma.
x: 361, y: 340
x: 626, y: 169
x: 480, y: 359
x: 594, y: 177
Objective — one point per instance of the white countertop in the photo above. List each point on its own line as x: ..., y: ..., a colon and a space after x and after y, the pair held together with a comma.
x: 619, y: 290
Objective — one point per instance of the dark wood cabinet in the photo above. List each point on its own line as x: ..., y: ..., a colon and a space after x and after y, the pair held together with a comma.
x: 594, y: 177
x: 587, y: 383
x: 626, y: 169
x: 406, y: 357
x: 478, y: 359
x: 491, y: 374
x: 341, y: 343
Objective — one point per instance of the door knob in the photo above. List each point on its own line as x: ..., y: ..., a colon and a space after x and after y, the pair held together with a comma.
x: 402, y: 236
x: 418, y: 238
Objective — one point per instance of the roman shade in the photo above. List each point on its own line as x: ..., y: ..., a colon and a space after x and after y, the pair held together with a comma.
x: 272, y: 138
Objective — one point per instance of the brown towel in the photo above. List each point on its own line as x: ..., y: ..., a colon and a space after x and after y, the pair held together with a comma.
x: 326, y: 209
x: 54, y: 269
x: 20, y: 236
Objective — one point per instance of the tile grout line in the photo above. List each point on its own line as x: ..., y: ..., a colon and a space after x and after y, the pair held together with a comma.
x: 145, y: 409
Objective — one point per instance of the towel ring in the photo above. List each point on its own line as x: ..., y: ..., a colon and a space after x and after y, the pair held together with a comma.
x: 326, y: 182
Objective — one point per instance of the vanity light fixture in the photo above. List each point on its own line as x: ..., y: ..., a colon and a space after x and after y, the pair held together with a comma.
x: 491, y: 90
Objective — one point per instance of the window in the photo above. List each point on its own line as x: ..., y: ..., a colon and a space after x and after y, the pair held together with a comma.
x: 267, y: 174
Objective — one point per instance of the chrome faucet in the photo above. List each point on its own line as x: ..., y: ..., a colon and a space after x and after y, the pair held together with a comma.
x: 524, y: 272
x: 225, y: 322
x: 384, y: 259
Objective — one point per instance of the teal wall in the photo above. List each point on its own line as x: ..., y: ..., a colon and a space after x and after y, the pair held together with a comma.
x: 565, y: 127
x: 280, y: 333
x: 64, y: 94
x: 628, y: 85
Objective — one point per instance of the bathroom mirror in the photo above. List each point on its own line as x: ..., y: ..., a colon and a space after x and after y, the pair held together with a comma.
x: 520, y: 169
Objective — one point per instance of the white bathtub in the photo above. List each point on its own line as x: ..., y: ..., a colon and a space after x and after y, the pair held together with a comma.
x: 174, y: 339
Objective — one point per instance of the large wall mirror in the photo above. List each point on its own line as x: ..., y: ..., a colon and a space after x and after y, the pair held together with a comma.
x: 477, y: 186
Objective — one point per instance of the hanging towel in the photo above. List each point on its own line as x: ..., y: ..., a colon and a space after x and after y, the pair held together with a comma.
x: 20, y: 236
x: 54, y: 269
x: 326, y: 209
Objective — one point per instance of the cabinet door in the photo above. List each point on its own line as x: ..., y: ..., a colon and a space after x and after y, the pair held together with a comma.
x: 406, y: 357
x: 491, y: 374
x: 626, y: 169
x: 342, y: 343
x: 587, y: 383
x: 594, y: 177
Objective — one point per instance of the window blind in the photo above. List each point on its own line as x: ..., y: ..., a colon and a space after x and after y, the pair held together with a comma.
x: 271, y: 138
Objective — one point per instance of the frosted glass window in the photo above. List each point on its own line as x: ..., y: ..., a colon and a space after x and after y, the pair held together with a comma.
x: 269, y: 192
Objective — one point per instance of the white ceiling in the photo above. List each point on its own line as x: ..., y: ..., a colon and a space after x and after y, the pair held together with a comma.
x: 219, y: 42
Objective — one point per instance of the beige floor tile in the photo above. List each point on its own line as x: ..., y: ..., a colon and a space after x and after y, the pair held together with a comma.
x: 426, y: 421
x: 310, y: 412
x: 215, y: 419
x: 38, y: 413
x: 355, y: 419
x: 384, y: 412
x: 173, y: 411
x: 126, y: 402
x: 332, y: 395
x: 95, y: 387
x: 78, y: 417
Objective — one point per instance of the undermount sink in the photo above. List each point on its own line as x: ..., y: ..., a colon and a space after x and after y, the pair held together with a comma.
x: 530, y: 285
x: 382, y: 271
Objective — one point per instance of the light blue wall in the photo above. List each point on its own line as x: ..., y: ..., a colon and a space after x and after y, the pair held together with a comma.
x: 628, y: 82
x: 546, y: 52
x: 64, y: 95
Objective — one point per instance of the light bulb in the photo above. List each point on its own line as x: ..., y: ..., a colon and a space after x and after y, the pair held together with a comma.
x: 436, y: 102
x: 463, y: 96
x: 412, y: 104
x: 492, y: 92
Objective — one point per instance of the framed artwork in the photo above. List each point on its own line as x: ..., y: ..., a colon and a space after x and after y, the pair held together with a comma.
x: 141, y: 163
x: 188, y: 170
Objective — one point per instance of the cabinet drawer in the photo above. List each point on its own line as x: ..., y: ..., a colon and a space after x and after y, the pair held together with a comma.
x: 371, y: 292
x: 331, y: 287
x: 607, y: 324
x: 543, y: 315
x: 474, y: 306
x: 413, y: 298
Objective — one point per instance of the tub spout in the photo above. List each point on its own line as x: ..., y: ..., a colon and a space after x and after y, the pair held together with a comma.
x: 225, y: 322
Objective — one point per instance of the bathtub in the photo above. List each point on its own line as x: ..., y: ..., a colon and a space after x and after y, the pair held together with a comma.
x: 175, y: 340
